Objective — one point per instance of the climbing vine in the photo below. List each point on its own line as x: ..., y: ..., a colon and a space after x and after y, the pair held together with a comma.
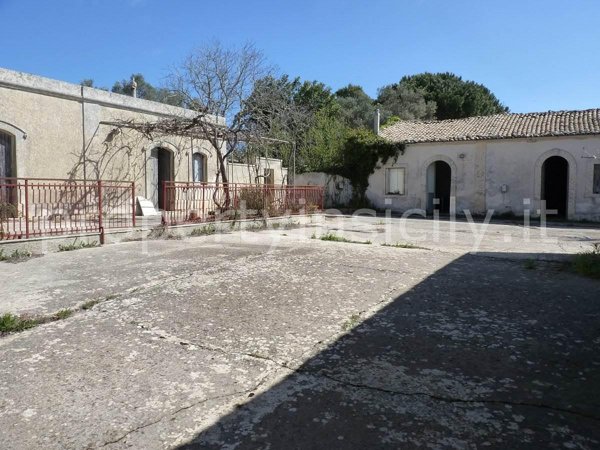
x: 360, y: 155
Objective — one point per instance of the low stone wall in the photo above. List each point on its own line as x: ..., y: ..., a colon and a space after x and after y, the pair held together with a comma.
x: 338, y: 190
x: 152, y: 230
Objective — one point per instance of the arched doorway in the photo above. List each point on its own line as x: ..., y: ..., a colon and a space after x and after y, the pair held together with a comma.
x: 439, y: 187
x: 7, y: 155
x: 555, y: 185
x: 160, y: 169
x: 7, y: 168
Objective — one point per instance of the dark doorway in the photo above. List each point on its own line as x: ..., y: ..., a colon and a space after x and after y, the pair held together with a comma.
x: 555, y: 184
x: 6, y: 155
x: 160, y: 169
x: 439, y: 185
x: 7, y: 169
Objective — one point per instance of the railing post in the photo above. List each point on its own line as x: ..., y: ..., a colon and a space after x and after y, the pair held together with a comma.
x: 165, y: 202
x: 203, y: 215
x: 133, y: 203
x: 100, y: 215
x: 26, y: 208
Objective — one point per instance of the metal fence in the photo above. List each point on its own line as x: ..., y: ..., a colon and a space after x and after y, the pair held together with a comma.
x: 31, y: 207
x: 204, y: 202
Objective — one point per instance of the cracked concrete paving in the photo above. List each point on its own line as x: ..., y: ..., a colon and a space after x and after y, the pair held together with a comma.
x: 238, y: 342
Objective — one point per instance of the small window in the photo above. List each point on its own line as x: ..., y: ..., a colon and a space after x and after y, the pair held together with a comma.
x: 198, y: 167
x: 395, y: 181
x: 596, y: 178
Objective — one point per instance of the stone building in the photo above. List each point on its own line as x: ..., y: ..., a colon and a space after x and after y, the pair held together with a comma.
x: 53, y: 129
x: 510, y: 163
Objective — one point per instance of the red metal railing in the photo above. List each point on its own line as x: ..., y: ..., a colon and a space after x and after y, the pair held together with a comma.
x: 203, y: 202
x: 31, y: 207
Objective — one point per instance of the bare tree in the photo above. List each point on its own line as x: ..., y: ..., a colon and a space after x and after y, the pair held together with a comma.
x: 215, y: 80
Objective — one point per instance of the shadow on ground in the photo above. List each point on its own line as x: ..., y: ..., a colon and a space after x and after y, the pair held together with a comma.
x: 485, y: 352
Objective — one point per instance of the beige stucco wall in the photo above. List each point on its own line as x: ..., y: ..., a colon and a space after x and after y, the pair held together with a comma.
x: 467, y: 162
x: 59, y: 132
x: 480, y: 168
x: 518, y: 164
x: 248, y: 173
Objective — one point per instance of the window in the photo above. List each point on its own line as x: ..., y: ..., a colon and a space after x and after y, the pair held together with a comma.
x: 394, y: 181
x: 198, y: 167
x: 596, y: 178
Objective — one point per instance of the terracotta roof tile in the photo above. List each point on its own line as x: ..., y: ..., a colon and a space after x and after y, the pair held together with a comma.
x: 498, y: 126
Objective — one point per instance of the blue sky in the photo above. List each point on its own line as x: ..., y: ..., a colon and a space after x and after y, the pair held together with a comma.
x: 535, y: 55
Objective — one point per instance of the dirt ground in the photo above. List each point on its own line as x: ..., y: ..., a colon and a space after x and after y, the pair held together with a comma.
x: 276, y: 339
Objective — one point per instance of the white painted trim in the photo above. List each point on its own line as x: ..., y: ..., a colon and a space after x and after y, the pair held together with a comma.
x: 385, y: 183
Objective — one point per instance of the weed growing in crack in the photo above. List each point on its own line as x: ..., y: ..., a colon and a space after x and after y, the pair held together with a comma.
x: 403, y: 245
x: 89, y: 304
x: 64, y: 313
x: 335, y: 238
x: 10, y: 323
x: 351, y: 322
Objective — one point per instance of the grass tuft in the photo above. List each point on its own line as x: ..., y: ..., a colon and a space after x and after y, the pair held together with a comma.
x: 16, y: 255
x: 89, y: 304
x: 77, y: 246
x: 335, y: 238
x: 351, y: 322
x: 63, y: 314
x: 588, y: 263
x: 10, y: 323
x: 206, y: 230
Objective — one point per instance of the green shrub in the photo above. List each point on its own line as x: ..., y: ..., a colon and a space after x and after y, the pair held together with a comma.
x: 253, y: 196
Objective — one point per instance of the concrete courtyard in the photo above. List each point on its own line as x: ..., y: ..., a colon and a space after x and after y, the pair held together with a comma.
x: 479, y: 338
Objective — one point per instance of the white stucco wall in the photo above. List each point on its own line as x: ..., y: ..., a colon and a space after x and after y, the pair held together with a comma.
x: 480, y: 168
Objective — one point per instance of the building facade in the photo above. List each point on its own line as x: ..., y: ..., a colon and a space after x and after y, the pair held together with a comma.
x: 509, y: 163
x: 53, y: 129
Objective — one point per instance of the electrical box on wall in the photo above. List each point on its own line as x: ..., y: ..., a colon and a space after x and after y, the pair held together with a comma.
x: 504, y: 188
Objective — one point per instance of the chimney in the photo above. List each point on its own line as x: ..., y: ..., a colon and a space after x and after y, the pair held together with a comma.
x: 133, y: 87
x: 376, y: 120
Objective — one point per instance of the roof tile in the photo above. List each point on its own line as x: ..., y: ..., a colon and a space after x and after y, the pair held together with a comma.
x: 498, y: 126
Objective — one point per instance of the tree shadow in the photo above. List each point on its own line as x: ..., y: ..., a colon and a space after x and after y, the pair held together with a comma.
x: 484, y: 352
